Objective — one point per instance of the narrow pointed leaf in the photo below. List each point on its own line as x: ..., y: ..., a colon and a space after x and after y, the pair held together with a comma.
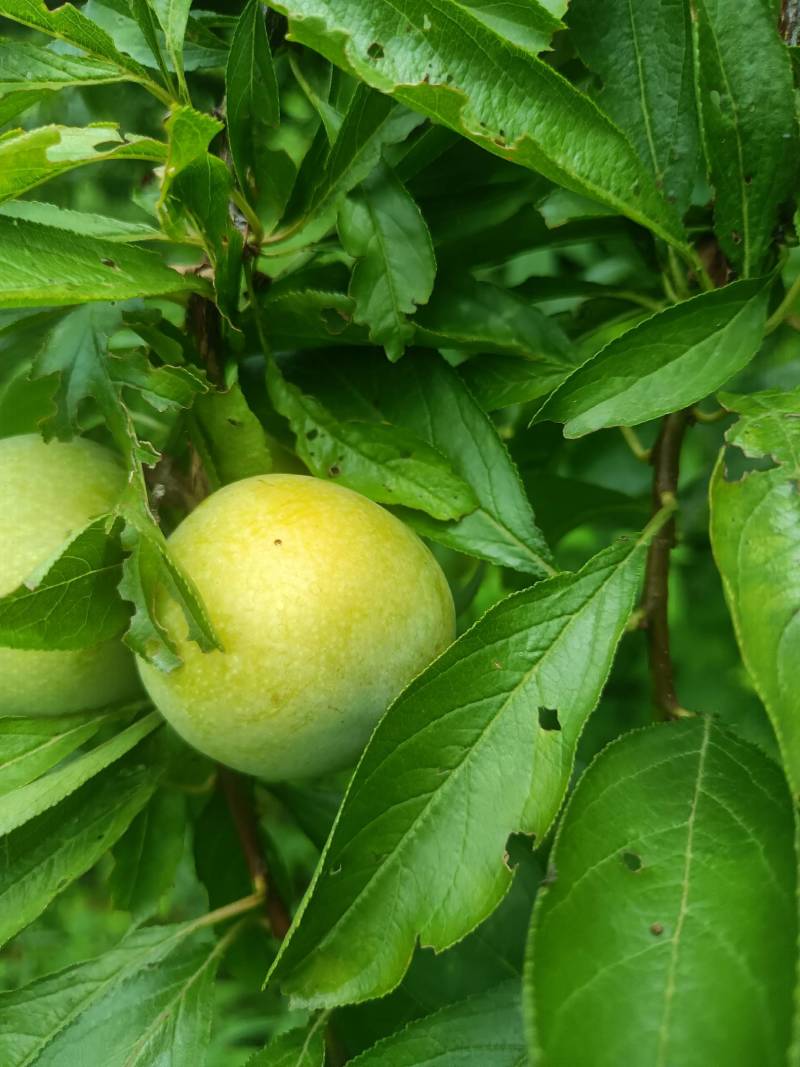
x: 74, y: 603
x: 744, y: 85
x: 147, y: 997
x: 485, y: 1029
x: 30, y: 800
x: 755, y: 534
x: 642, y: 51
x: 673, y: 870
x: 479, y: 745
x: 26, y: 66
x: 667, y: 362
x: 82, y: 222
x: 146, y: 857
x: 387, y: 463
x: 40, y: 858
x: 41, y: 266
x: 382, y: 227
x: 441, y: 59
x: 28, y: 158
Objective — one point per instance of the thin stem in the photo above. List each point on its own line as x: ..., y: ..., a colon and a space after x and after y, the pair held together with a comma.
x: 666, y: 468
x: 634, y: 443
x: 708, y: 416
x: 244, y: 819
x: 253, y: 221
x: 229, y: 911
x: 784, y: 309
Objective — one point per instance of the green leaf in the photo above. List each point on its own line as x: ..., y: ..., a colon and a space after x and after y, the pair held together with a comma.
x: 499, y: 381
x: 668, y: 362
x: 13, y: 104
x: 310, y: 318
x: 42, y: 266
x: 486, y: 1029
x: 381, y: 226
x: 441, y: 60
x: 146, y: 857
x: 303, y: 1047
x: 421, y: 395
x: 769, y: 425
x: 755, y: 535
x: 25, y: 66
x: 77, y: 350
x: 30, y: 800
x: 744, y: 87
x: 479, y: 745
x: 642, y: 53
x: 372, y: 121
x: 68, y: 23
x: 479, y: 317
x: 251, y: 95
x: 173, y: 16
x: 190, y: 133
x: 90, y: 225
x: 146, y: 1001
x: 147, y: 571
x: 528, y: 24
x: 30, y: 157
x: 387, y: 463
x: 673, y: 870
x: 74, y: 602
x: 230, y: 438
x: 40, y: 858
x: 30, y: 747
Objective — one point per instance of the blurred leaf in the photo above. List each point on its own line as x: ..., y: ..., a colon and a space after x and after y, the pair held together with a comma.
x: 148, y: 1001
x: 146, y: 857
x: 372, y: 121
x: 297, y: 1048
x: 448, y: 65
x: 30, y: 157
x: 44, y: 266
x: 30, y: 747
x: 462, y: 758
x: 73, y: 603
x: 90, y: 225
x: 769, y: 425
x: 485, y: 1029
x: 668, y: 362
x: 755, y: 535
x: 423, y: 396
x: 674, y: 866
x: 230, y: 437
x: 173, y: 16
x: 642, y: 53
x: 202, y: 49
x: 381, y: 226
x: 479, y: 317
x: 563, y: 504
x: 29, y: 67
x: 251, y: 94
x: 387, y: 463
x: 40, y: 858
x: 28, y: 801
x: 744, y: 88
x: 15, y: 103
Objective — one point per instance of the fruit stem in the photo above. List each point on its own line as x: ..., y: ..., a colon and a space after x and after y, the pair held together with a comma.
x: 665, y: 459
x: 244, y: 819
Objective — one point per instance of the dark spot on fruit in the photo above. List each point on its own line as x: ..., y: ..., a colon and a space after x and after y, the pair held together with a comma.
x: 277, y: 541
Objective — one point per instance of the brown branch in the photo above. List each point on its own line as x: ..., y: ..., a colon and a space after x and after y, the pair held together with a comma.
x: 244, y: 819
x: 665, y: 459
x: 205, y: 325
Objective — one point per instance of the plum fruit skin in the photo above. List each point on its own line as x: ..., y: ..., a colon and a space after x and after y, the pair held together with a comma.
x: 326, y: 606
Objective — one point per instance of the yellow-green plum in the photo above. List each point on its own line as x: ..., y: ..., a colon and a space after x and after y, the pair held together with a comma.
x: 48, y: 493
x: 326, y: 606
